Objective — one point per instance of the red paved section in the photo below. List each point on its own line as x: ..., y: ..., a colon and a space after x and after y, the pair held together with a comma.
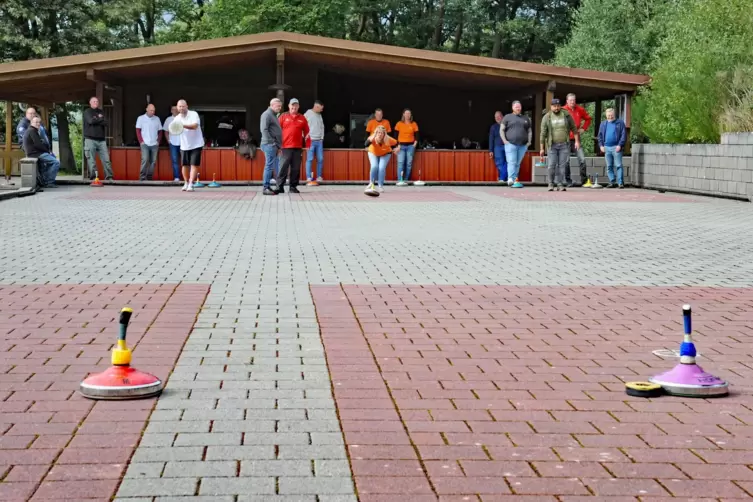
x: 392, y: 194
x: 589, y: 195
x: 148, y: 193
x: 56, y: 444
x: 516, y: 393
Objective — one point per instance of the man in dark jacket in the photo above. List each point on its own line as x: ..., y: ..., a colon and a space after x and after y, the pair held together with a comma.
x: 497, y: 148
x: 95, y: 139
x: 36, y: 148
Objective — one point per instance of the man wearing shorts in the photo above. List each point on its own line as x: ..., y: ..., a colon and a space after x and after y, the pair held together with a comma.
x: 191, y: 143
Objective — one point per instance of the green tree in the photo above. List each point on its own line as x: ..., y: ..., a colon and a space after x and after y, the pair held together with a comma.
x: 31, y: 29
x: 616, y: 35
x: 242, y: 17
x: 706, y: 44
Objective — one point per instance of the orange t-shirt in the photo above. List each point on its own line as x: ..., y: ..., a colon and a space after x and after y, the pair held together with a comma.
x: 406, y: 131
x: 374, y: 123
x: 384, y: 148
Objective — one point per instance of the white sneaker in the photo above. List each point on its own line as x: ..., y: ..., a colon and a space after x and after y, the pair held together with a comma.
x: 176, y: 179
x: 370, y: 186
x: 510, y: 181
x: 190, y: 187
x: 319, y: 179
x: 380, y: 189
x: 185, y: 186
x: 272, y: 181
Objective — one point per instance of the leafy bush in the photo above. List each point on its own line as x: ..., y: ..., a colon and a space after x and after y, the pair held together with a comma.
x: 737, y: 113
x: 705, y: 39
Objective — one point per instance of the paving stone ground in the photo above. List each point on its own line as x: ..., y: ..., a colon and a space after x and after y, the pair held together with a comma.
x: 476, y: 338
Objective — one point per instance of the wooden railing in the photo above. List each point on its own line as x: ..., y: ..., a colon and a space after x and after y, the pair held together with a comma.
x: 339, y: 165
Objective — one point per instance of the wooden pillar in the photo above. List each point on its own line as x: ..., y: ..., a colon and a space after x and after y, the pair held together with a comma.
x: 597, y: 125
x: 280, y: 74
x: 538, y: 112
x: 45, y: 116
x: 100, y: 93
x: 628, y: 117
x: 8, y: 136
x: 116, y: 124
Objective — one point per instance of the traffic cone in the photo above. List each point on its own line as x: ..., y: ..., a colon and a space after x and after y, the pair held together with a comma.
x: 121, y: 381
x: 96, y: 182
x: 198, y: 183
x: 214, y: 183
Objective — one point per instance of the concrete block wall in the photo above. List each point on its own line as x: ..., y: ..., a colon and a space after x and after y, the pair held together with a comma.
x: 28, y: 172
x: 594, y: 165
x: 724, y: 170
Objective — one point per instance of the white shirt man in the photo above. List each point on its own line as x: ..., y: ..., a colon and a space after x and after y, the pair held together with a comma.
x: 149, y: 133
x: 174, y: 142
x: 191, y: 143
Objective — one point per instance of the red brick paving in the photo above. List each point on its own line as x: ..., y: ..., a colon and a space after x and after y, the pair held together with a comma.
x: 391, y: 194
x: 53, y: 440
x: 160, y: 193
x: 589, y: 195
x: 516, y: 393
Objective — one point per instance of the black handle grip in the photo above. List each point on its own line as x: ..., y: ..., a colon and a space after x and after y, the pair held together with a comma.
x: 125, y: 316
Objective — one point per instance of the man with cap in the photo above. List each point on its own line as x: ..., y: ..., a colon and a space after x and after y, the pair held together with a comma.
x: 295, y: 130
x: 556, y: 127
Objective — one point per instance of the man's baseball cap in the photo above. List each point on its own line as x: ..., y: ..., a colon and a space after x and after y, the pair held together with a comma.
x: 555, y: 101
x: 293, y: 102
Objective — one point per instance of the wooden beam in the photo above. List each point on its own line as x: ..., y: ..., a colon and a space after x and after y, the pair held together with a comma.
x: 45, y: 116
x: 280, y: 74
x: 101, y: 76
x: 100, y: 93
x: 628, y: 117
x: 538, y: 112
x: 8, y: 137
x: 597, y: 125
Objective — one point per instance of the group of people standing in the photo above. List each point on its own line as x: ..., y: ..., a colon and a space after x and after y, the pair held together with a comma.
x: 284, y: 135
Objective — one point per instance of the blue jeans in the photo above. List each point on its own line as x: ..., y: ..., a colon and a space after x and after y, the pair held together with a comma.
x: 48, y: 167
x: 614, y: 161
x: 515, y: 155
x: 378, y: 168
x: 405, y: 161
x: 501, y: 162
x: 317, y: 148
x: 271, y: 163
x: 175, y: 159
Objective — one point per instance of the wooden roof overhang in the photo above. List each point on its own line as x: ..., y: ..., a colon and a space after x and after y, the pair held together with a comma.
x: 73, y: 77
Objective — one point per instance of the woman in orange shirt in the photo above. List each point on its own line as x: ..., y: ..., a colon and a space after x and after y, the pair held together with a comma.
x: 407, y: 137
x: 380, y: 146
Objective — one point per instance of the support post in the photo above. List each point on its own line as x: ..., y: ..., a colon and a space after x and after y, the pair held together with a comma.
x: 8, y: 138
x: 116, y: 122
x: 538, y: 113
x: 597, y: 125
x: 628, y: 117
x: 280, y: 74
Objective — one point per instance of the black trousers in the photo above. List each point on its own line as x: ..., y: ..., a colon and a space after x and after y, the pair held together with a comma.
x: 290, y: 163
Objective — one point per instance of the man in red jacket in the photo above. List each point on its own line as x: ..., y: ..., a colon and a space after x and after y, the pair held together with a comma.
x: 295, y: 130
x: 582, y: 121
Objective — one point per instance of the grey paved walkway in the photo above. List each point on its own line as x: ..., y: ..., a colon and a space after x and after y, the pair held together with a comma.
x: 248, y: 414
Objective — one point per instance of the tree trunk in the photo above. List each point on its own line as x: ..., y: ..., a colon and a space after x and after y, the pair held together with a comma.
x: 436, y: 40
x: 497, y: 41
x: 67, y: 160
x: 458, y: 35
x: 476, y: 49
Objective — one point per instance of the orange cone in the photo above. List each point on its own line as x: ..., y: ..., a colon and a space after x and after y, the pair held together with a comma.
x: 96, y: 182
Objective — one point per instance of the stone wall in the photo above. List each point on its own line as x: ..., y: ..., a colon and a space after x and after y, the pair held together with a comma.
x: 594, y: 165
x: 724, y: 170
